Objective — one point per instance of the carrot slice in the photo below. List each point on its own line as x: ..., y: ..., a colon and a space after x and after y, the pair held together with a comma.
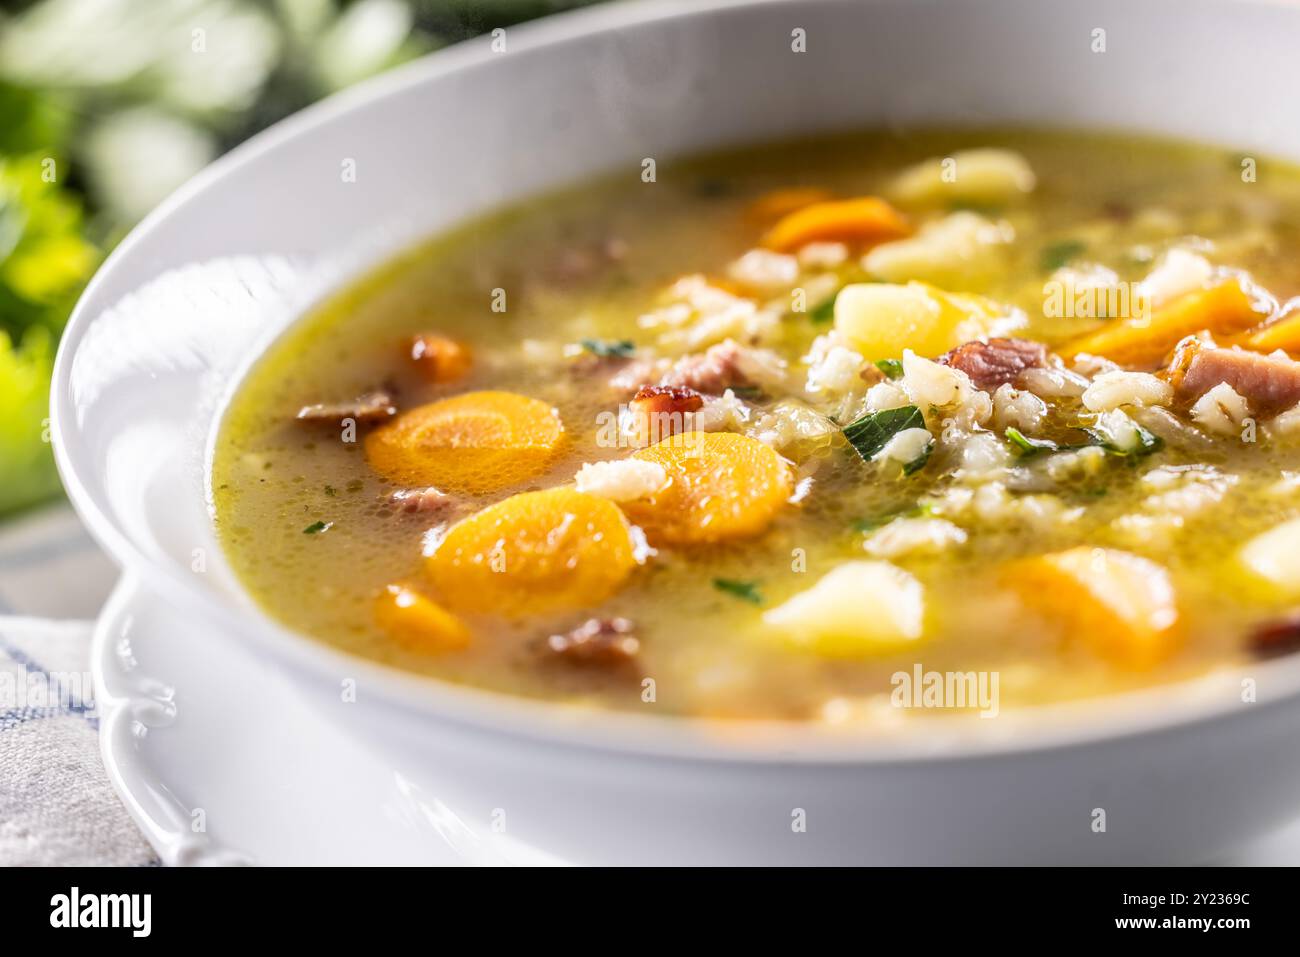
x: 721, y: 486
x: 439, y: 358
x: 1136, y: 341
x: 418, y: 623
x: 1120, y: 605
x: 783, y: 202
x: 1283, y: 333
x: 473, y: 442
x: 534, y: 552
x: 867, y: 220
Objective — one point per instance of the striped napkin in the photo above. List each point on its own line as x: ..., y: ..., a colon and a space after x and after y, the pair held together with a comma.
x: 56, y: 805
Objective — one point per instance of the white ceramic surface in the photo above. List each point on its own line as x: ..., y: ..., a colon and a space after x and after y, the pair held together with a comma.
x: 253, y: 778
x: 196, y: 292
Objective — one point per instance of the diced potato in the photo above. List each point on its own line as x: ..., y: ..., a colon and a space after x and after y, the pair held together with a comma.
x: 959, y: 250
x: 721, y: 486
x: 867, y: 219
x: 985, y: 177
x: 532, y: 553
x: 474, y: 442
x: 418, y: 623
x: 880, y: 320
x: 1120, y: 605
x: 1147, y: 339
x: 856, y: 610
x: 1274, y: 557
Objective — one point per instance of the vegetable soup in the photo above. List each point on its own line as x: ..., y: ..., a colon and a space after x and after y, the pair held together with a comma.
x: 755, y: 435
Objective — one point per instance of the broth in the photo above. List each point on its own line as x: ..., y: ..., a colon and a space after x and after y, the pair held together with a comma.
x: 588, y: 274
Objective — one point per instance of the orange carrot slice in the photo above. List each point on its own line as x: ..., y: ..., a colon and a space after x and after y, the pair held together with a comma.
x: 866, y: 220
x: 438, y: 358
x: 534, y: 552
x: 721, y: 486
x: 1146, y: 340
x: 1120, y: 605
x: 474, y: 442
x: 418, y: 623
x: 782, y: 202
x: 1282, y: 333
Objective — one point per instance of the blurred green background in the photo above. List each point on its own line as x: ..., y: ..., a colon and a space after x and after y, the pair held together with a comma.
x: 106, y: 106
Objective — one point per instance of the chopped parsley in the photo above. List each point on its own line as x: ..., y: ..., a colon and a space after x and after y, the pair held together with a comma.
x: 1056, y: 255
x: 609, y: 348
x: 744, y: 590
x: 871, y: 433
x: 824, y: 312
x: 315, y: 528
x: 892, y: 368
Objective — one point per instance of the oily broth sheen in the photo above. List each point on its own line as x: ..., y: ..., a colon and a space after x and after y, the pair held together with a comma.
x: 704, y: 648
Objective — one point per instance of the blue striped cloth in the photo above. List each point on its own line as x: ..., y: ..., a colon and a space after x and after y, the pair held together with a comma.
x: 56, y: 804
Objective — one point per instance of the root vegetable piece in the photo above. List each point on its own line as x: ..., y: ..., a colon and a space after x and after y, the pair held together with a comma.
x: 474, y: 442
x: 438, y: 358
x: 865, y: 220
x: 418, y: 623
x: 721, y: 486
x: 1146, y: 340
x: 1121, y: 605
x: 856, y: 610
x: 534, y: 552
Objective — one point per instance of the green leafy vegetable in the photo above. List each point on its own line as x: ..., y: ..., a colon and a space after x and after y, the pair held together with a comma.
x: 920, y: 461
x: 824, y: 312
x: 744, y: 590
x: 315, y: 528
x: 1147, y: 442
x: 892, y: 368
x: 607, y: 348
x: 1025, y: 446
x: 871, y: 433
x: 866, y: 525
x: 1056, y: 255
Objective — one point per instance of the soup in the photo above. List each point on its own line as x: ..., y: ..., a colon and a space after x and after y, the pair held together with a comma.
x: 775, y: 433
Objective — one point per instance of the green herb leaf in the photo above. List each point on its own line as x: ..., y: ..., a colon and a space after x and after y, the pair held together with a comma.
x: 892, y: 368
x: 744, y: 590
x: 607, y: 348
x: 1025, y: 446
x: 1056, y: 255
x: 920, y: 461
x: 1147, y: 442
x: 824, y: 312
x: 315, y: 528
x: 867, y: 525
x: 871, y: 433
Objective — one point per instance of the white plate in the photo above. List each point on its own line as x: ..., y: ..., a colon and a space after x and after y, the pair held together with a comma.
x: 220, y: 761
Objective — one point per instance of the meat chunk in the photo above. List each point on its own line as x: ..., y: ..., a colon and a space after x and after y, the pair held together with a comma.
x: 424, y: 501
x: 659, y: 411
x: 723, y: 366
x: 367, y: 409
x: 996, y: 362
x: 1270, y: 383
x: 597, y: 641
x: 1276, y: 638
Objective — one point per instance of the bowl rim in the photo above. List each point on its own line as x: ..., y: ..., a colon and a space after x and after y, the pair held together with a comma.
x: 1185, y: 703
